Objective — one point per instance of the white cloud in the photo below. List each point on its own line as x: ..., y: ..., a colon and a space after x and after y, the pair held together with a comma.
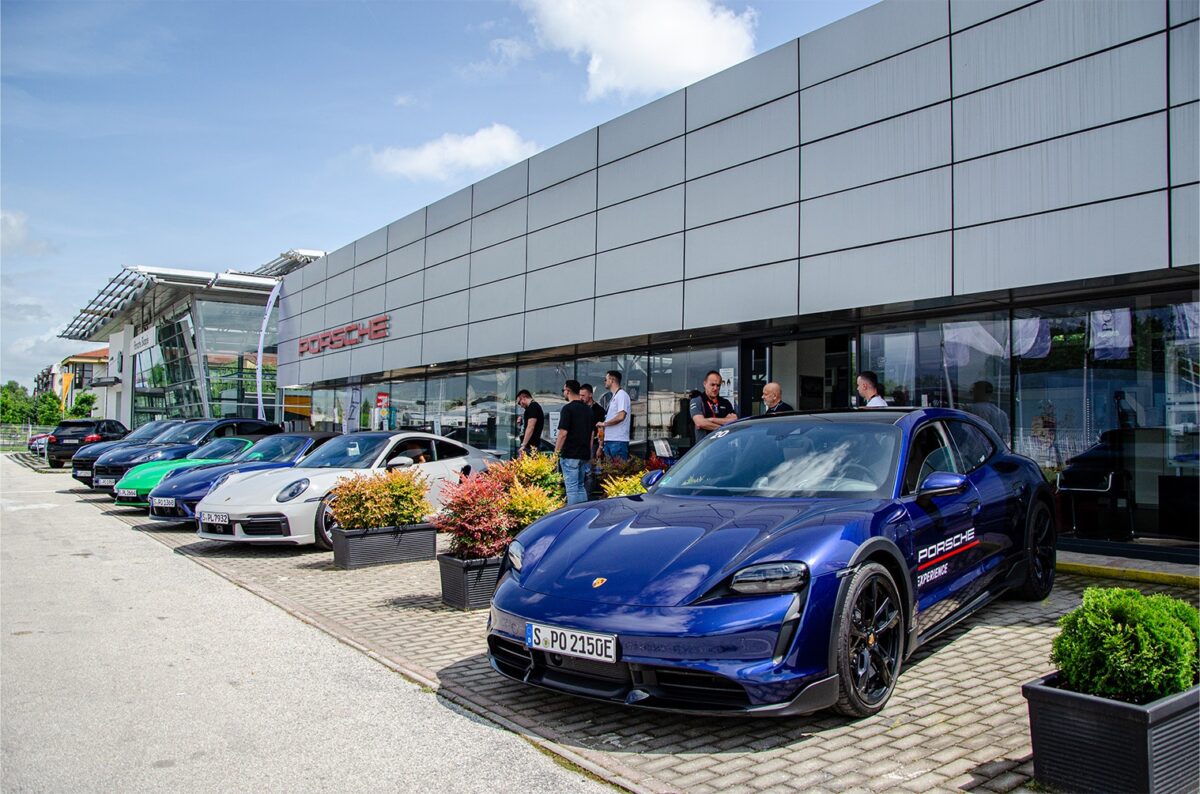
x: 14, y: 235
x: 505, y: 54
x: 403, y: 100
x: 453, y: 155
x: 644, y: 46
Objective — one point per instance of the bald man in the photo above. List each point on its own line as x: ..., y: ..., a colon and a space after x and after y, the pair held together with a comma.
x: 773, y: 397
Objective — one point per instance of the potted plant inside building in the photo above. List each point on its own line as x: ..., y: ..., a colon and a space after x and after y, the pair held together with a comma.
x: 381, y: 519
x: 1122, y: 712
x: 483, y: 513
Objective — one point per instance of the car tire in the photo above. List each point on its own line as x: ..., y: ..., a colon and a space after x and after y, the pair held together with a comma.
x: 1040, y: 539
x: 323, y: 525
x: 56, y: 464
x: 870, y: 650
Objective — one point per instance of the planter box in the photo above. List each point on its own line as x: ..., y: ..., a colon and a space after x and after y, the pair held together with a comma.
x: 358, y: 548
x: 468, y: 584
x: 1087, y: 743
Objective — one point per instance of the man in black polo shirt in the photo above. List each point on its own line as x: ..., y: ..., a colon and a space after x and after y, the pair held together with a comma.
x: 710, y: 411
x: 535, y: 420
x: 574, y: 443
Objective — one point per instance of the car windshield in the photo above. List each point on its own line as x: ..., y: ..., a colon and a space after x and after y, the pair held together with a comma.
x: 222, y: 448
x: 788, y: 458
x: 185, y: 433
x: 151, y: 430
x: 347, y: 452
x: 275, y: 448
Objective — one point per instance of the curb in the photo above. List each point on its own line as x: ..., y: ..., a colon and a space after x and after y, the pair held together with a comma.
x: 1129, y: 574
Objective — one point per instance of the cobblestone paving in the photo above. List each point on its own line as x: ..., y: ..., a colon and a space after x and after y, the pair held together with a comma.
x: 957, y: 720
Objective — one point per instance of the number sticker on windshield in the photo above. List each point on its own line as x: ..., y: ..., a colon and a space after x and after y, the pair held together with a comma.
x: 719, y: 433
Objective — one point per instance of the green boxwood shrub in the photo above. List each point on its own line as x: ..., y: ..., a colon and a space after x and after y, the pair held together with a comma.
x: 1123, y: 645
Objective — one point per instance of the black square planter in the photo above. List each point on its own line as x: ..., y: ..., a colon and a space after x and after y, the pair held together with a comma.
x: 358, y: 548
x: 1086, y: 743
x: 468, y: 584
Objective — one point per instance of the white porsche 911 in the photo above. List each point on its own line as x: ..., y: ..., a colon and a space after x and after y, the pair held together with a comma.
x: 292, y: 505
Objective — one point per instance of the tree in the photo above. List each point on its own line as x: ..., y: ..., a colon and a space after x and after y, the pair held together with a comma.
x: 48, y: 409
x: 85, y: 401
x: 16, y: 406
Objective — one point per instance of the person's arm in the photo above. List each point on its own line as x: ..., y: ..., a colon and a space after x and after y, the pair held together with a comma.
x: 616, y: 420
x: 562, y: 439
x: 705, y: 423
x: 528, y: 435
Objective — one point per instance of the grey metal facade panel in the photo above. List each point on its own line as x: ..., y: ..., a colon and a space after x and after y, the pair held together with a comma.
x: 1117, y: 160
x: 500, y: 188
x: 407, y: 230
x: 404, y: 321
x: 400, y: 353
x: 1124, y: 82
x: 366, y: 359
x: 1046, y: 34
x: 312, y: 322
x: 287, y: 329
x: 1184, y: 68
x: 645, y: 172
x: 642, y: 218
x: 409, y: 259
x: 747, y: 136
x: 312, y: 297
x: 448, y: 243
x: 311, y: 370
x: 448, y: 277
x: 569, y: 158
x: 498, y: 298
x: 760, y: 79
x: 405, y: 291
x: 315, y: 272
x: 903, y: 145
x: 1105, y: 239
x: 293, y: 282
x: 642, y: 128
x: 370, y: 274
x: 499, y: 261
x: 445, y: 311
x: 903, y: 270
x: 875, y: 33
x: 339, y: 312
x: 446, y: 212
x: 642, y: 265
x: 368, y: 303
x: 288, y: 375
x: 339, y: 286
x: 340, y: 261
x: 1185, y: 228
x: 904, y: 207
x: 336, y: 365
x: 289, y: 305
x: 770, y: 182
x: 370, y: 247
x: 565, y: 283
x: 569, y: 324
x: 493, y: 337
x: 644, y: 311
x: 1185, y: 132
x: 564, y: 200
x: 905, y: 82
x: 1180, y: 11
x: 445, y: 345
x: 965, y: 13
x: 570, y: 240
x: 498, y: 225
x: 743, y: 242
x: 741, y: 296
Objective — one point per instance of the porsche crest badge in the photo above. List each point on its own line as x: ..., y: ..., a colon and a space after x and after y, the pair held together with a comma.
x: 599, y: 580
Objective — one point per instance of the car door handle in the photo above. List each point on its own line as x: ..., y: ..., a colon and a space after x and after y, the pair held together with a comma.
x: 976, y: 507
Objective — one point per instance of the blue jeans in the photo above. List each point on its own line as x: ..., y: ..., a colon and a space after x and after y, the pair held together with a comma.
x: 616, y: 449
x: 572, y: 472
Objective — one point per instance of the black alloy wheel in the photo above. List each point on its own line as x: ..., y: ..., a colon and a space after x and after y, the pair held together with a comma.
x: 325, y: 524
x: 870, y: 641
x: 1042, y: 539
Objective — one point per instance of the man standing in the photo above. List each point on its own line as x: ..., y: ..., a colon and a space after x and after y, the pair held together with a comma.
x: 574, y: 443
x: 868, y: 389
x: 773, y: 397
x: 710, y: 411
x: 617, y: 419
x: 535, y: 419
x: 598, y: 412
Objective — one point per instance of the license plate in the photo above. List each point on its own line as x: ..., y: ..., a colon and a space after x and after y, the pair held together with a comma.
x: 568, y: 642
x: 83, y: 472
x: 126, y: 493
x: 70, y: 441
x: 104, y: 481
x: 162, y: 501
x: 214, y: 518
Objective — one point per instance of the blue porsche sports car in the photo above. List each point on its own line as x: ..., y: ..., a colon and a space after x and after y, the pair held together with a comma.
x: 176, y: 497
x: 787, y: 564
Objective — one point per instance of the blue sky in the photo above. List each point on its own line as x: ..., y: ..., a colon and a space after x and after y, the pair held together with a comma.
x: 213, y: 135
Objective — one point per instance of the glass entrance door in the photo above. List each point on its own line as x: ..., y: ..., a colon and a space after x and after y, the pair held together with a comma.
x: 813, y: 373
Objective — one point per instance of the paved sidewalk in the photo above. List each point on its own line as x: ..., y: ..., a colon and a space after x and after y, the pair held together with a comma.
x: 957, y: 720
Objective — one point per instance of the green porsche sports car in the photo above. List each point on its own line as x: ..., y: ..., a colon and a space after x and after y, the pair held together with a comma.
x: 133, y: 489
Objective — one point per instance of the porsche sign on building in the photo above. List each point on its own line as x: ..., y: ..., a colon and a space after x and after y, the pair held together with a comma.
x: 992, y: 205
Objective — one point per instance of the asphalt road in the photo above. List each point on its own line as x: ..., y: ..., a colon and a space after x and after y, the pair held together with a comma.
x: 126, y: 667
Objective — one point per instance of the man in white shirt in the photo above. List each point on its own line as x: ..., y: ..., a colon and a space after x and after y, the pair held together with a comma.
x: 868, y: 389
x: 617, y: 419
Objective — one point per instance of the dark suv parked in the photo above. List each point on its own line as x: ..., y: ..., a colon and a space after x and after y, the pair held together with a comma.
x: 81, y: 463
x: 71, y: 434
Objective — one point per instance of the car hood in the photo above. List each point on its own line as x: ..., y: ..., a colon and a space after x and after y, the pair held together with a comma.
x: 666, y: 551
x: 126, y: 455
x: 202, y: 479
x: 262, y: 487
x: 145, y: 474
x: 93, y: 451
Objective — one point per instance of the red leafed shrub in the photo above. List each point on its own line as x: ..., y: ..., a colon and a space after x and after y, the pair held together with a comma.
x: 474, y: 516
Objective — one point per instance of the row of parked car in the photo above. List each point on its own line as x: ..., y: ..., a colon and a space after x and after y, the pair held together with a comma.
x: 245, y: 480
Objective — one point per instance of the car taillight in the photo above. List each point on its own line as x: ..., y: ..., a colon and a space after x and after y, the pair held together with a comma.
x: 88, y: 439
x: 52, y: 439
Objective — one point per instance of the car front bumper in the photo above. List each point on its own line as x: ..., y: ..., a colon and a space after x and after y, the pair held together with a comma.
x: 264, y: 524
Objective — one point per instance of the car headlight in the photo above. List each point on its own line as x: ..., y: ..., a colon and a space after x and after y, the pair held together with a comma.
x: 292, y: 491
x: 217, y: 482
x: 770, y: 577
x: 515, y: 554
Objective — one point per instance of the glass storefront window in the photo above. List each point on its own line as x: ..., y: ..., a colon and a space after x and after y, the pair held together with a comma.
x: 445, y: 406
x: 326, y: 410
x: 545, y: 382
x: 229, y: 338
x: 675, y: 377
x: 408, y: 405
x: 374, y: 412
x: 492, y: 410
x: 297, y: 405
x: 164, y: 377
x: 634, y: 379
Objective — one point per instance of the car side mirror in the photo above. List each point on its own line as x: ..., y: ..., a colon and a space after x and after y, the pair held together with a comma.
x: 942, y: 483
x: 650, y: 478
x: 400, y: 462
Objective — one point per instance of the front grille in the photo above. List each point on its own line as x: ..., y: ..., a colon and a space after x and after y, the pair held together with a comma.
x: 265, y: 525
x: 216, y: 529
x: 511, y: 657
x: 690, y: 686
x: 116, y: 472
x: 178, y: 511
